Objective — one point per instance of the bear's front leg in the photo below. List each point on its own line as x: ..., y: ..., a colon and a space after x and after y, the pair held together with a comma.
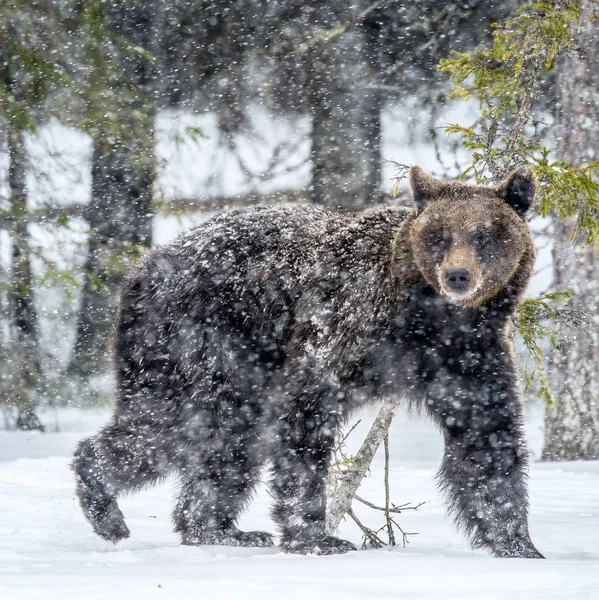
x: 484, y: 468
x: 299, y: 477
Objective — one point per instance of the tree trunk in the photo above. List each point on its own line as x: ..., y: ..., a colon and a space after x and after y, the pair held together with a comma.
x: 345, y: 107
x: 340, y: 501
x: 572, y: 423
x: 120, y: 219
x: 26, y: 371
x: 120, y: 212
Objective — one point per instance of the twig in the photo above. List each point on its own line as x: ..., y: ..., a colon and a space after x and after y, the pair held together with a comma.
x: 523, y: 114
x: 404, y: 534
x: 344, y: 439
x: 390, y: 533
x: 394, y: 508
x: 369, y: 535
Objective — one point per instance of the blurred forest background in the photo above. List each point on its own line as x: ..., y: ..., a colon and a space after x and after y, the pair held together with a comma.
x: 123, y: 122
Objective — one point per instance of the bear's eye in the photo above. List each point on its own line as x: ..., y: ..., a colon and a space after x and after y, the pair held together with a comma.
x: 481, y: 239
x: 436, y: 239
x: 437, y: 243
x: 485, y: 244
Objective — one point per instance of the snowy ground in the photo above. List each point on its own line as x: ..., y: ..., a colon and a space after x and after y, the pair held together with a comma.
x: 48, y: 551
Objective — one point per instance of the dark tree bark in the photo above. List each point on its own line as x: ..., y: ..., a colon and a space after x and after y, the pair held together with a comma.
x: 572, y: 423
x: 120, y: 212
x: 25, y: 373
x: 345, y: 105
x: 120, y: 219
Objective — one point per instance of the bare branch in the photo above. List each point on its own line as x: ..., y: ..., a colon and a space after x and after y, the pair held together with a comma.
x: 394, y: 508
x: 387, y: 515
x: 370, y: 536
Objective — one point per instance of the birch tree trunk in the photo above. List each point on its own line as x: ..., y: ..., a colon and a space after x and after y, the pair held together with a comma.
x: 572, y: 423
x: 345, y: 107
x: 340, y: 501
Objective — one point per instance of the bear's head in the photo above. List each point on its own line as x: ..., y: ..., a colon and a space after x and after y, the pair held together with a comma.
x: 468, y: 241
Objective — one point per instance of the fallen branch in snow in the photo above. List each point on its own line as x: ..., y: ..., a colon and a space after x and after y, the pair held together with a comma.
x: 370, y: 536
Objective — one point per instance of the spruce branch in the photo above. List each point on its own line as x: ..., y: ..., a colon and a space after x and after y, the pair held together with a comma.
x: 540, y: 319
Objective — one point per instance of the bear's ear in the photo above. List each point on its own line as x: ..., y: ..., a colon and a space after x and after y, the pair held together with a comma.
x: 519, y: 189
x: 425, y: 187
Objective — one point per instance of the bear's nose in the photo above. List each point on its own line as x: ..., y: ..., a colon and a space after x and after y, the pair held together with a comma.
x: 457, y: 279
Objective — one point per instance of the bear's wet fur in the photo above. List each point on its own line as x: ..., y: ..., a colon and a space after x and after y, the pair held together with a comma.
x: 249, y: 340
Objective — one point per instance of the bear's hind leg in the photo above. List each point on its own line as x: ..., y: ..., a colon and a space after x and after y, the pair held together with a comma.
x: 211, y: 498
x: 114, y: 461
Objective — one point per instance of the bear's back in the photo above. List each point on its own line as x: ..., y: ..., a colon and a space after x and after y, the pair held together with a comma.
x: 250, y: 277
x: 242, y: 250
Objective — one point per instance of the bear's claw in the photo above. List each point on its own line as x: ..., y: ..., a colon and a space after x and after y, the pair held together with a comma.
x: 109, y: 523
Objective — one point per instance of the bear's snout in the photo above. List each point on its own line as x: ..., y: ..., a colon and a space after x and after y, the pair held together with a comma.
x: 457, y: 279
x: 460, y: 276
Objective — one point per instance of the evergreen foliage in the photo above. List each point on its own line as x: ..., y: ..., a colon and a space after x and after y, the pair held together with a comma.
x: 537, y: 320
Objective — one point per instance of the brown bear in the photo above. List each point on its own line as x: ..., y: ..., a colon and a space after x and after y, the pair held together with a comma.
x: 249, y: 340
